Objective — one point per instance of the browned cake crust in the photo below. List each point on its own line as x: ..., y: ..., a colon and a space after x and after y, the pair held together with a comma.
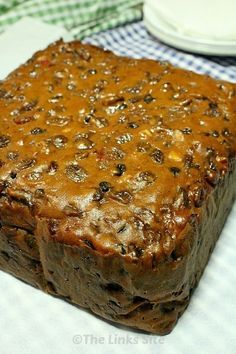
x: 116, y: 178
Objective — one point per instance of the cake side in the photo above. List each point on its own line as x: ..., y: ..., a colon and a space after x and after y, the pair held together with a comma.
x: 146, y: 296
x: 116, y: 179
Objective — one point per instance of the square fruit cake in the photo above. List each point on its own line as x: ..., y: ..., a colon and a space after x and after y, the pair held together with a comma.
x: 116, y: 178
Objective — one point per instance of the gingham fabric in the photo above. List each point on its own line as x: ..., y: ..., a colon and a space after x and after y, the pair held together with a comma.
x: 81, y: 17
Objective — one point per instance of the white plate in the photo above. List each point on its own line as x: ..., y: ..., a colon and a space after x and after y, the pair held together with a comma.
x: 169, y: 34
x: 32, y: 322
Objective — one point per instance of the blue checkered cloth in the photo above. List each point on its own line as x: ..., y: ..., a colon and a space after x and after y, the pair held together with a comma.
x: 134, y: 40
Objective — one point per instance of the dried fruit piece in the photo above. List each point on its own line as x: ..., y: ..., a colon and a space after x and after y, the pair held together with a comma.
x: 148, y: 98
x: 52, y: 168
x: 4, y: 140
x: 186, y: 131
x: 23, y: 119
x: 84, y: 143
x: 123, y: 197
x: 158, y: 156
x: 121, y: 168
x: 37, y: 131
x: 125, y: 138
x: 76, y: 173
x: 212, y: 177
x: 111, y: 99
x: 144, y: 146
x: 59, y: 141
x: 104, y: 186
x: 115, y: 153
x: 12, y: 155
x: 26, y: 163
x: 133, y: 125
x: 175, y: 170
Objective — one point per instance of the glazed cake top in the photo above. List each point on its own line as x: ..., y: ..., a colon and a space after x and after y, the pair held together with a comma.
x: 115, y: 151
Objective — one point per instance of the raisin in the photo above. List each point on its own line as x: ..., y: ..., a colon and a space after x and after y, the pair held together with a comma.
x: 148, y: 98
x: 121, y: 168
x: 211, y: 152
x: 84, y: 143
x: 122, y: 106
x: 4, y: 140
x: 37, y: 131
x: 13, y: 174
x: 167, y: 86
x: 111, y: 100
x: 212, y: 177
x: 81, y: 155
x: 123, y: 197
x: 59, y: 141
x: 213, y: 105
x: 26, y: 163
x: 212, y: 166
x: 186, y: 131
x: 199, y: 195
x: 89, y: 244
x: 28, y: 106
x: 92, y: 71
x: 133, y: 125
x: 145, y: 215
x: 52, y: 168
x: 122, y: 228
x: 182, y: 199
x: 225, y: 132
x: 34, y: 176
x: 175, y: 170
x: 146, y: 177
x: 98, y: 195
x: 82, y: 53
x: 23, y: 119
x: 56, y: 98
x: 76, y: 173
x: 104, y: 186
x: 100, y: 122
x: 115, y: 154
x: 71, y: 86
x: 143, y: 146
x: 3, y: 185
x: 135, y: 250
x: 58, y: 121
x: 213, y: 110
x: 158, y: 156
x: 87, y: 118
x: 53, y: 225
x: 215, y: 134
x: 125, y: 138
x: 12, y: 155
x: 136, y: 99
x: 71, y: 210
x: 188, y: 162
x: 23, y: 196
x: 39, y: 193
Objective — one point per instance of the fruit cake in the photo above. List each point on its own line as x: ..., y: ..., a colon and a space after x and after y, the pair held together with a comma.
x: 116, y: 178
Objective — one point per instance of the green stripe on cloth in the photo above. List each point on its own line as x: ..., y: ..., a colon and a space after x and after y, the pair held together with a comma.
x: 81, y: 17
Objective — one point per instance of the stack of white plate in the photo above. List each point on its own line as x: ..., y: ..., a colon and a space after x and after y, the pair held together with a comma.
x: 200, y: 26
